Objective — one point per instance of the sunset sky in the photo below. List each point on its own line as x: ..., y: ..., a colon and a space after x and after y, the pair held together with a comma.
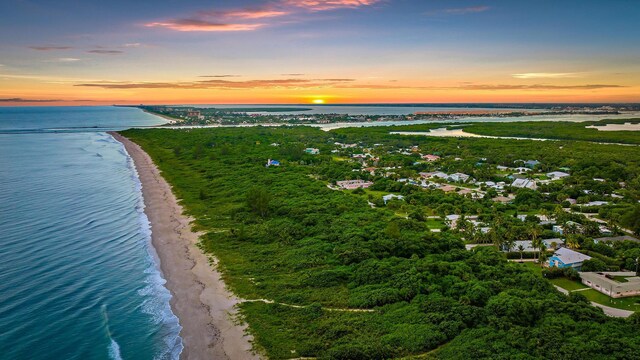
x: 299, y: 51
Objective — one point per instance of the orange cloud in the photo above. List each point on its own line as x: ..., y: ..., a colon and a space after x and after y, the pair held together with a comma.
x: 542, y: 87
x: 219, y: 84
x: 189, y: 25
x: 258, y: 13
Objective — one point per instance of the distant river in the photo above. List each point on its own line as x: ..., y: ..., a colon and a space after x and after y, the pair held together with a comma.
x: 78, y: 279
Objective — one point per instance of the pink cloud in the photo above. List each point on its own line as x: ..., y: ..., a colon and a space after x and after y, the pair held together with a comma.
x: 190, y: 25
x: 244, y: 19
x: 323, y: 5
x: 258, y: 13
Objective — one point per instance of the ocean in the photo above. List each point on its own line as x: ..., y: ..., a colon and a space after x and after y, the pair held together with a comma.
x: 78, y: 274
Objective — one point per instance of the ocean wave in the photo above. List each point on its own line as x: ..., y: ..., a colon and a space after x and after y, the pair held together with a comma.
x: 156, y: 296
x: 114, y: 350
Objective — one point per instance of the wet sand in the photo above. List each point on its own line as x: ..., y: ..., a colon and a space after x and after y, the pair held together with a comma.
x: 200, y: 300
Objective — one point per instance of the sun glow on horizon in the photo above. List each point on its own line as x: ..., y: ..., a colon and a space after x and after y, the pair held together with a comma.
x: 318, y: 101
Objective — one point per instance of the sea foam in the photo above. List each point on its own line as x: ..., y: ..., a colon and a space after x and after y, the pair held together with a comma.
x: 156, y: 296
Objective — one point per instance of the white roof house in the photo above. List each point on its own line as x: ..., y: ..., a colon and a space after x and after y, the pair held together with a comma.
x: 596, y: 203
x: 391, y: 197
x: 524, y: 183
x: 528, y: 245
x: 557, y: 175
x: 459, y: 177
x: 522, y: 170
x: 565, y: 258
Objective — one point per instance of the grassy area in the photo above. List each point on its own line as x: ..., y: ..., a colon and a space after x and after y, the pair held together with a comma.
x: 434, y: 224
x: 533, y: 267
x: 570, y: 285
x: 620, y: 279
x: 630, y: 303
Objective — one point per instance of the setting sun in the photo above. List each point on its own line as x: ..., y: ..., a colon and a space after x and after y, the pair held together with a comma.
x: 318, y: 101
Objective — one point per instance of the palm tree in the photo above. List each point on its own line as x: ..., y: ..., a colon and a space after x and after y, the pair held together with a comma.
x: 535, y: 231
x: 572, y: 242
x: 521, y: 250
x: 536, y: 244
x: 570, y: 228
x: 545, y: 214
x: 543, y: 254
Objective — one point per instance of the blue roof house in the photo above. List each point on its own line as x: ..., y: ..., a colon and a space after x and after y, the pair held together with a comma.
x: 567, y: 258
x: 531, y: 163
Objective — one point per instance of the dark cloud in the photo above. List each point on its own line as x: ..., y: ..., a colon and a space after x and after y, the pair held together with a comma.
x: 50, y: 48
x: 106, y: 52
x: 21, y: 100
x: 218, y: 84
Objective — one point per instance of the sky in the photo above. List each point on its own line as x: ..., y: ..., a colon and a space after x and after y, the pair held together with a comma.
x: 72, y: 52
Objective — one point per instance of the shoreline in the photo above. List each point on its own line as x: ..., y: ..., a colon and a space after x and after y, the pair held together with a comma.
x: 200, y: 300
x: 170, y: 120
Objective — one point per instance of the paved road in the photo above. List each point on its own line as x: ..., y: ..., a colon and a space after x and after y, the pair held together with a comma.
x: 607, y: 310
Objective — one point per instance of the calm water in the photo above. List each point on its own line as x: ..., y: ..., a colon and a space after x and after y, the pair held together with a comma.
x: 78, y: 279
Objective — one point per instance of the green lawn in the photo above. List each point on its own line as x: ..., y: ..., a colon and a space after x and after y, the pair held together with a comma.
x: 621, y: 279
x: 630, y: 303
x: 567, y: 284
x: 434, y: 224
x: 533, y: 267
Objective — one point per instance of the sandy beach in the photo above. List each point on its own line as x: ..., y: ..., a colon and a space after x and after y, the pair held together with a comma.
x: 200, y: 300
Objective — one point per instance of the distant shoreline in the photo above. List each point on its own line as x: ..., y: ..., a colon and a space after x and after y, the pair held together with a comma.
x: 199, y: 298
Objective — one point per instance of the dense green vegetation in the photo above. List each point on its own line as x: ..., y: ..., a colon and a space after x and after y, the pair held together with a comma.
x: 281, y: 234
x: 559, y: 130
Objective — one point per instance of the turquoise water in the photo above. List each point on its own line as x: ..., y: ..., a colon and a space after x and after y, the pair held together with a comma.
x: 78, y: 276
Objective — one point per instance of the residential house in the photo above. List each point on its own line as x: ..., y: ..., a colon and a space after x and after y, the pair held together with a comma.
x: 560, y: 228
x: 615, y: 239
x: 596, y: 203
x: 531, y: 163
x: 312, y: 151
x: 389, y: 197
x: 502, y: 199
x: 527, y: 245
x: 271, y: 162
x: 370, y: 170
x: 354, y: 184
x: 557, y: 175
x: 567, y: 258
x: 459, y: 177
x: 448, y: 188
x: 524, y: 183
x: 431, y: 158
x: 521, y: 170
x: 608, y: 284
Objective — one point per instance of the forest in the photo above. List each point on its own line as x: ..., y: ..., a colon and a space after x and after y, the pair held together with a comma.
x: 366, y: 283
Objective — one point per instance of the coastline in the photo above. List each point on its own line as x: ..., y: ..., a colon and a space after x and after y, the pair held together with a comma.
x: 204, y: 307
x: 170, y: 120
